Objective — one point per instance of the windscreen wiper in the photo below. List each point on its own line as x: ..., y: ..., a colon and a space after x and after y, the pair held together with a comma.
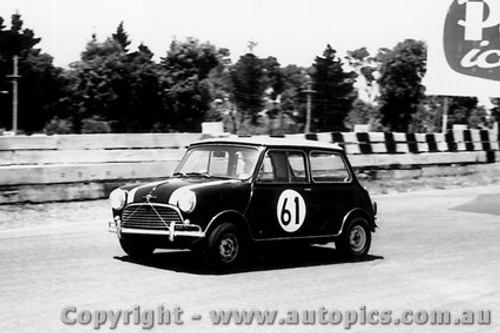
x: 179, y: 174
x: 199, y: 174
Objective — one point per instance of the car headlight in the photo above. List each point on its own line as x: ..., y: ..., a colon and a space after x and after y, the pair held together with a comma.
x: 117, y: 199
x: 184, y: 199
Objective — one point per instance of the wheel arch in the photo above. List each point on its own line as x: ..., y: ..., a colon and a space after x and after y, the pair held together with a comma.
x: 229, y: 216
x: 358, y: 212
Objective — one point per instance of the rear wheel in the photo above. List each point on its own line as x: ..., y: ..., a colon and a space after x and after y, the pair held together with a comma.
x: 355, y: 241
x: 136, y: 247
x: 225, y: 245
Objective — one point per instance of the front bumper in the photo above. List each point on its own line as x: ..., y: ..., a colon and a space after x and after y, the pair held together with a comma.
x: 174, y: 230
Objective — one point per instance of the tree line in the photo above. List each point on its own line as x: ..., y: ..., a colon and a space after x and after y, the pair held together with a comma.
x: 112, y: 88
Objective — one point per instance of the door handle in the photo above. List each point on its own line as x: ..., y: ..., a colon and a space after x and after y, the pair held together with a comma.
x: 308, y: 189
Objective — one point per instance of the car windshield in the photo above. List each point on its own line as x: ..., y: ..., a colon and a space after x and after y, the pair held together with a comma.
x: 219, y: 161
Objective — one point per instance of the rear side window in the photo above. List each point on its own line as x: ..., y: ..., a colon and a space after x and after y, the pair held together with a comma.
x: 281, y: 166
x: 328, y: 167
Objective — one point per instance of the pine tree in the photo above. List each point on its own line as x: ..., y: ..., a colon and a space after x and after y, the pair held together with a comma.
x: 335, y: 92
x: 121, y: 37
x: 249, y: 83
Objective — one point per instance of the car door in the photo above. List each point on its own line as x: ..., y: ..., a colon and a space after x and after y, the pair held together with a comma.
x: 279, y: 206
x: 334, y: 192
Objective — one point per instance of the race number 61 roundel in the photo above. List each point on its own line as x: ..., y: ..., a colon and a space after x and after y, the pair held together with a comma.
x: 291, y: 210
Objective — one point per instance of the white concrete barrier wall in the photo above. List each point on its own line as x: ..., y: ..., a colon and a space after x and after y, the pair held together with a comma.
x: 99, y: 158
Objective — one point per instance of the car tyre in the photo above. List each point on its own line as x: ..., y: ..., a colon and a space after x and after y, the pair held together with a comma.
x: 225, y: 246
x: 355, y: 240
x: 136, y: 248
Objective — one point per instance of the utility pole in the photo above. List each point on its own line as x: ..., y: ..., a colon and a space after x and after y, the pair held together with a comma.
x: 446, y: 106
x: 309, y: 93
x: 14, y: 76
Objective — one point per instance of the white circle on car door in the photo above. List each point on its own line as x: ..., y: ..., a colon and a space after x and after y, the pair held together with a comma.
x: 291, y: 210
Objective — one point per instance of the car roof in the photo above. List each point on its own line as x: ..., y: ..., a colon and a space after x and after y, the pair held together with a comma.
x: 266, y: 141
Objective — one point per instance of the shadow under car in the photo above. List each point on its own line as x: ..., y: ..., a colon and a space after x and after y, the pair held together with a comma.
x: 262, y: 258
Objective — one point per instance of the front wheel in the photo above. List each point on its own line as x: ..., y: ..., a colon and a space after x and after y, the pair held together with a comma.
x: 136, y: 247
x: 355, y: 240
x: 225, y: 246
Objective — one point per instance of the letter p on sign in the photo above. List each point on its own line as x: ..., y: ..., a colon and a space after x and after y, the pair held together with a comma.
x: 475, y: 19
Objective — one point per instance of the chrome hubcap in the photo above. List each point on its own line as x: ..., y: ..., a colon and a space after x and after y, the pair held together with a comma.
x: 228, y: 248
x: 357, y: 238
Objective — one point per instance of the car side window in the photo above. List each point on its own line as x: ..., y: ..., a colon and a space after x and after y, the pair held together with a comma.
x: 328, y: 167
x: 281, y: 166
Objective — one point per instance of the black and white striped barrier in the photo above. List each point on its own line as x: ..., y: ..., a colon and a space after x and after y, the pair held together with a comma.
x: 403, y: 143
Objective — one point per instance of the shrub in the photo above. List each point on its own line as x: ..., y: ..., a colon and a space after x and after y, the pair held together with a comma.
x: 95, y: 125
x: 58, y: 126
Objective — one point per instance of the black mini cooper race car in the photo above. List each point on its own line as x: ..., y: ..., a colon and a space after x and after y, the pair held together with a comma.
x: 229, y: 194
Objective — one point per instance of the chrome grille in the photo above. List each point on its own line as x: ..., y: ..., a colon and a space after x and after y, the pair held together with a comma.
x: 152, y: 217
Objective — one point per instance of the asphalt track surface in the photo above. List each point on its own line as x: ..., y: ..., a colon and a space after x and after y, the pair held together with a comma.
x: 435, y: 250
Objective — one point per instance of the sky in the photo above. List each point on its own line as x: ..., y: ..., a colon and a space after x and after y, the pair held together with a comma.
x: 293, y: 31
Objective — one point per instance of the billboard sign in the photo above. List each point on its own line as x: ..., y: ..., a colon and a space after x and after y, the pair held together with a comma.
x: 464, y: 56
